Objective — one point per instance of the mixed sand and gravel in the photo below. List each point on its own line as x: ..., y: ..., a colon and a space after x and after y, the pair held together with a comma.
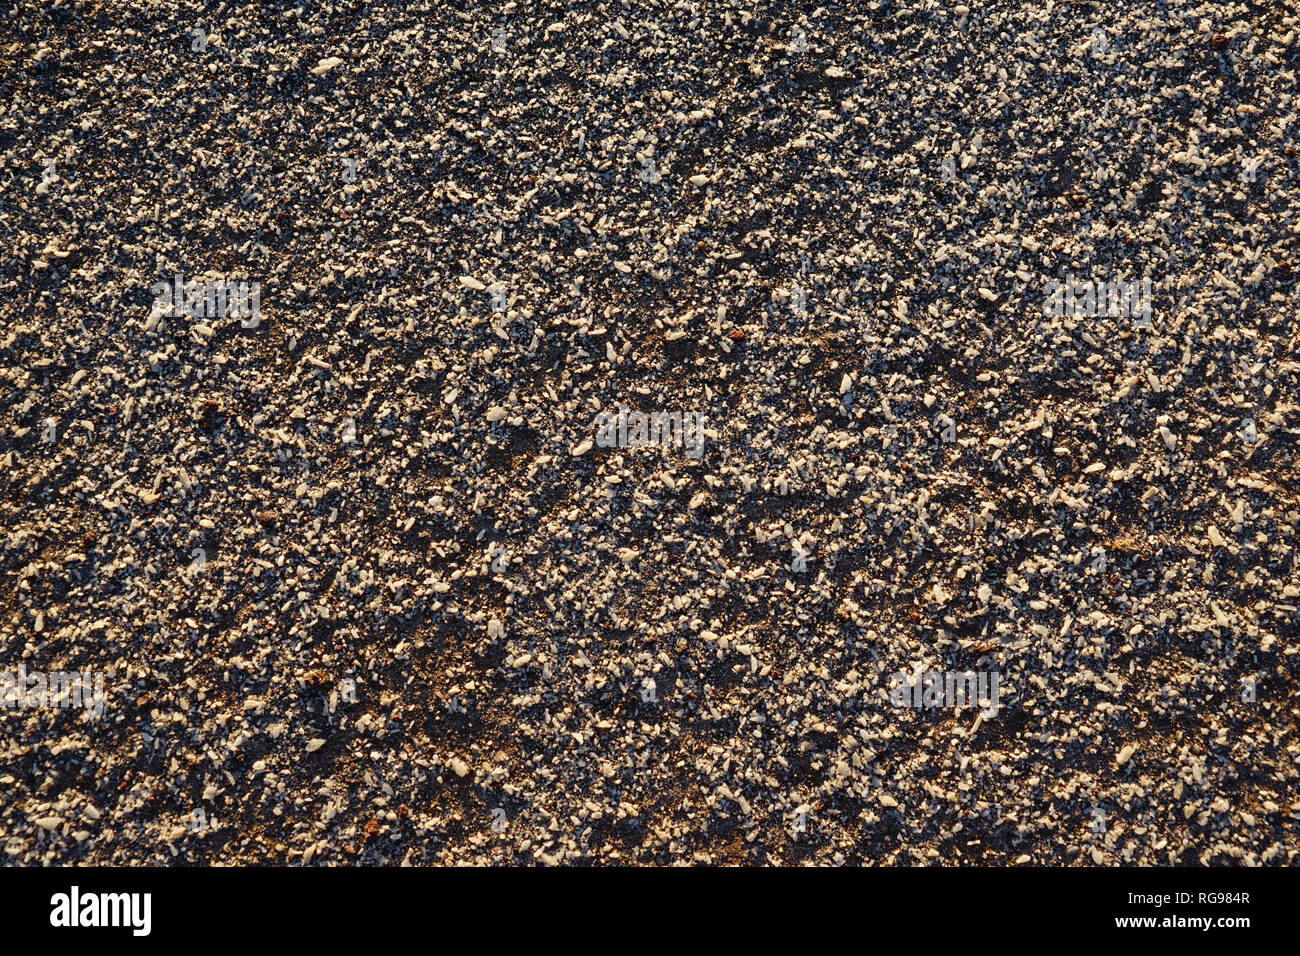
x: 362, y: 584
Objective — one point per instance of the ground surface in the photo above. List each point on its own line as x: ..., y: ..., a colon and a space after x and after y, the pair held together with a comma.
x: 612, y: 648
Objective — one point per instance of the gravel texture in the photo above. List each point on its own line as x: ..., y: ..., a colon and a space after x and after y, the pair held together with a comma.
x: 364, y: 588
